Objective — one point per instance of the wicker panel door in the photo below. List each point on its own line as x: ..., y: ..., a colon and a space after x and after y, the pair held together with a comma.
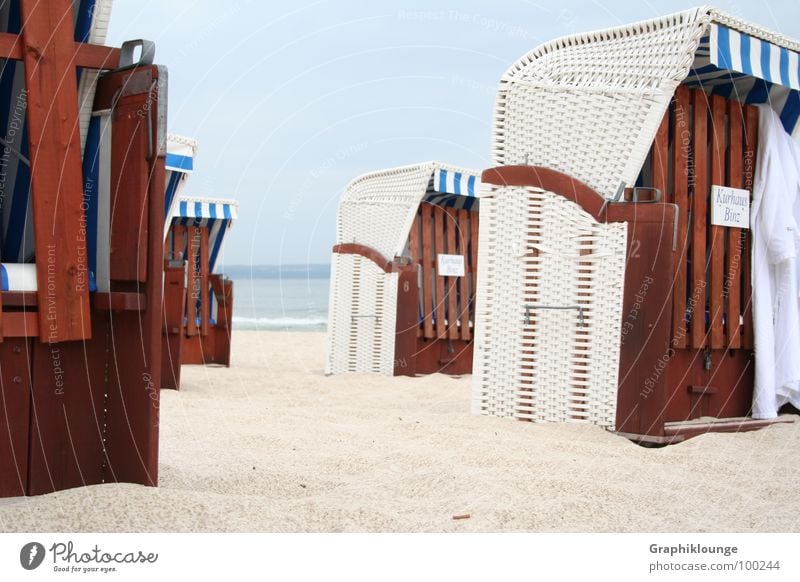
x: 363, y: 303
x: 571, y: 306
x: 549, y: 306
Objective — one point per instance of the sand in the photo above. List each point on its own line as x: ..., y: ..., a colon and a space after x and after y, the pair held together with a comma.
x: 271, y: 444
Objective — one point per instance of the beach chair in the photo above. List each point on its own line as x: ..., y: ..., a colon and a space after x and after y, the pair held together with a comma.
x: 199, y: 306
x: 80, y: 308
x: 403, y: 272
x: 606, y: 294
x: 181, y: 152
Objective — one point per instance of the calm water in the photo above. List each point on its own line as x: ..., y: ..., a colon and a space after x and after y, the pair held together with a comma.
x: 281, y: 304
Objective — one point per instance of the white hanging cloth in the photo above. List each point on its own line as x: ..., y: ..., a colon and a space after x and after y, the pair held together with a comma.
x: 774, y: 220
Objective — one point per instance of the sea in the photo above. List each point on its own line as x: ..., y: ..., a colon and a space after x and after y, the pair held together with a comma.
x: 280, y: 298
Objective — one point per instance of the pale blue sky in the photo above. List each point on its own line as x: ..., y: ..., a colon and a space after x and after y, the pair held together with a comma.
x: 291, y: 100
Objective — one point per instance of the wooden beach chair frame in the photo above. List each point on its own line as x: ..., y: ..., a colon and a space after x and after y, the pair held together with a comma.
x: 79, y: 367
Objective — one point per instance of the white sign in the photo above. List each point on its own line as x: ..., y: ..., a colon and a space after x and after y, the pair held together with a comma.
x: 450, y: 265
x: 730, y: 207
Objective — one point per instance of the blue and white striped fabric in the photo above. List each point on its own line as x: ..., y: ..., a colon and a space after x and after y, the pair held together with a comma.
x: 454, y: 188
x: 216, y: 215
x: 751, y: 70
x: 16, y: 219
x: 179, y: 164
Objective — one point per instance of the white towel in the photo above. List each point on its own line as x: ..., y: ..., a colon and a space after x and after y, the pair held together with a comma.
x: 776, y: 240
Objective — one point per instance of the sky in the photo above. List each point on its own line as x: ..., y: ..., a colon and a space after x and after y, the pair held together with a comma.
x: 289, y: 101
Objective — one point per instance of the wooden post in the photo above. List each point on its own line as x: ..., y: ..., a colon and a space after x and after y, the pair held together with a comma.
x: 441, y: 304
x: 192, y: 279
x: 717, y: 232
x: 48, y: 51
x: 680, y: 182
x: 205, y: 307
x: 699, y: 181
x: 427, y: 259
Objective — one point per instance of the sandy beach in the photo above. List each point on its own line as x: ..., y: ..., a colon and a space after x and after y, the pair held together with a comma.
x: 271, y: 444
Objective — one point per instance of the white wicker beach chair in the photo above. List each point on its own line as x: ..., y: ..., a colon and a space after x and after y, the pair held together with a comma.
x: 603, y: 110
x: 375, y: 218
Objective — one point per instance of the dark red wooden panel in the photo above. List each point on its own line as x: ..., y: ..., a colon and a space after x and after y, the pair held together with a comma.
x: 69, y: 411
x: 135, y: 371
x: 129, y: 202
x: 15, y: 390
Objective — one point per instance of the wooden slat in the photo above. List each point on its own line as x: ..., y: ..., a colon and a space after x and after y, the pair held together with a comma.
x: 660, y: 157
x: 751, y: 147
x: 56, y: 176
x: 93, y: 56
x: 10, y: 46
x: 451, y: 224
x: 438, y: 221
x: 89, y: 56
x: 718, y: 234
x: 413, y: 252
x: 698, y: 176
x: 680, y: 186
x: 192, y: 280
x: 205, y: 307
x: 733, y: 271
x: 21, y: 324
x: 427, y: 269
x: 463, y: 248
x: 473, y: 253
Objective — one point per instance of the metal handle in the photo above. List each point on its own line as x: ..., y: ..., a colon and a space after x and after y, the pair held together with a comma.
x: 580, y: 308
x: 656, y: 194
x: 128, y: 49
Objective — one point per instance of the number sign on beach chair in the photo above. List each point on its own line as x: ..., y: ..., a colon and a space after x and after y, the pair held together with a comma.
x: 606, y: 293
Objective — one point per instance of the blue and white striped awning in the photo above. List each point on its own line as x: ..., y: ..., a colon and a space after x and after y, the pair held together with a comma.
x: 179, y: 164
x: 454, y: 188
x: 216, y: 215
x: 749, y: 69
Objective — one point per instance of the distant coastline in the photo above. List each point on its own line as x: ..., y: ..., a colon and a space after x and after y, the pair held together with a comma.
x: 298, y: 271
